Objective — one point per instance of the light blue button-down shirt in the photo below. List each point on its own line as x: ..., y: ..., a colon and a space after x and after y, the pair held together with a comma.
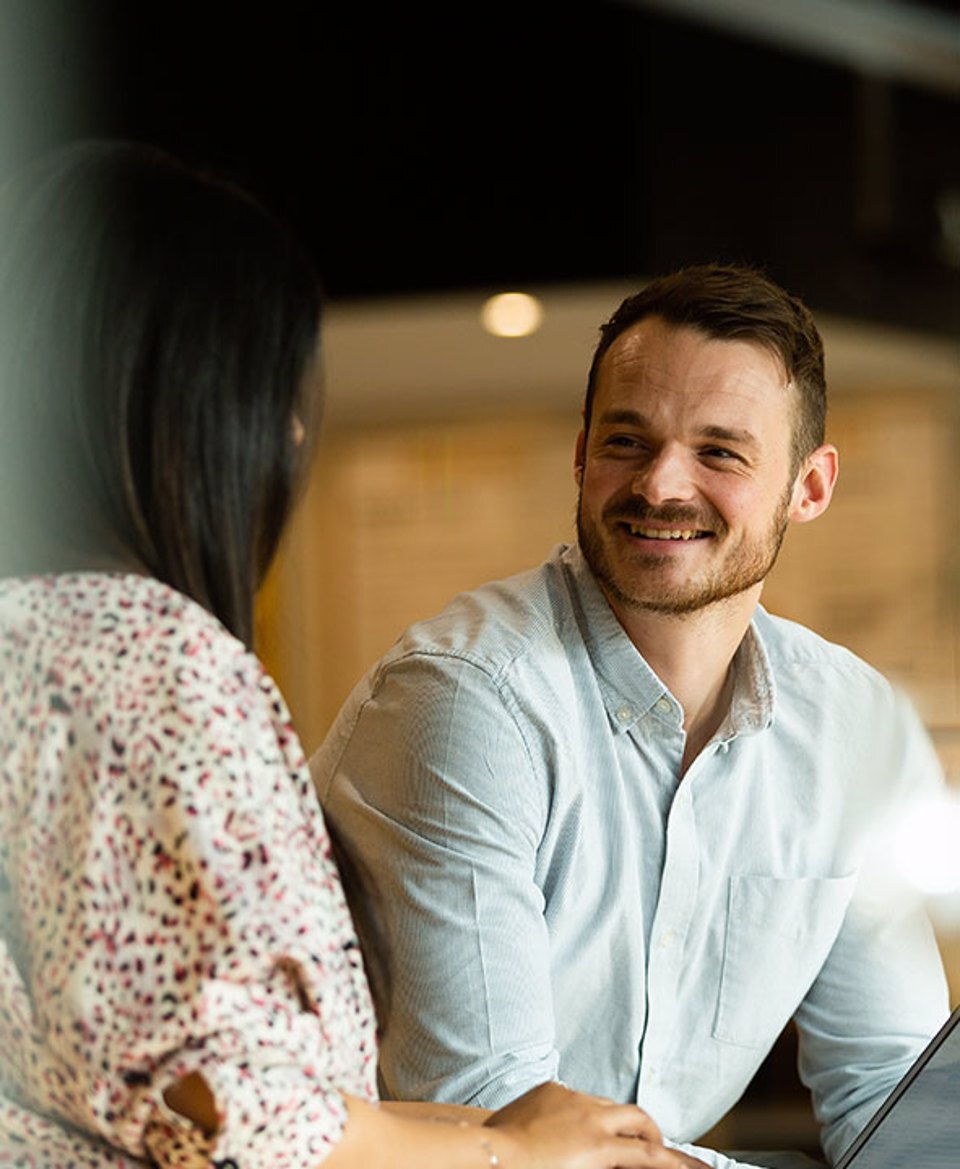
x: 560, y: 906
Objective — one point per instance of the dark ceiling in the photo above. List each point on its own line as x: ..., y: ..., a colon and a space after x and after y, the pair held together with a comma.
x: 425, y: 148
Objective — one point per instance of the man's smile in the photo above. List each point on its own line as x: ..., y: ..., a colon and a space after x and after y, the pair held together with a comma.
x: 647, y: 533
x: 675, y: 525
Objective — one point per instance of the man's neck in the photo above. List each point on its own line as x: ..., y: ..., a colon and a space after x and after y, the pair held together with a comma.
x: 692, y: 654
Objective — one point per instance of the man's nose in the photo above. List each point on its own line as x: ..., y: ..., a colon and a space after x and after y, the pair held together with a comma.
x: 666, y: 476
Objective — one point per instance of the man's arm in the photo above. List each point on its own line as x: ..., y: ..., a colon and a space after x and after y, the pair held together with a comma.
x: 878, y: 1000
x: 431, y: 782
x: 882, y: 992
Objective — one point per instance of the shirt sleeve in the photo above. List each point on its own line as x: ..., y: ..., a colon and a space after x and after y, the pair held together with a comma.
x: 189, y: 919
x: 434, y: 789
x: 774, y: 1160
x: 882, y: 992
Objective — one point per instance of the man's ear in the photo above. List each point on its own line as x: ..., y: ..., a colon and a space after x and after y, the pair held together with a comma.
x: 814, y: 485
x: 579, y: 456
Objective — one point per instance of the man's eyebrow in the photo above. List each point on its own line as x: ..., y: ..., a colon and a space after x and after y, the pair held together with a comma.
x: 622, y: 417
x: 730, y: 434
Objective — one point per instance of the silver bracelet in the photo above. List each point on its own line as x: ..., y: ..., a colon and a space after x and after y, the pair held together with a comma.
x: 494, y: 1160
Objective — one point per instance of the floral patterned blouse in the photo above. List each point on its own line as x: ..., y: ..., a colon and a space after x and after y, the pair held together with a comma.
x: 168, y: 902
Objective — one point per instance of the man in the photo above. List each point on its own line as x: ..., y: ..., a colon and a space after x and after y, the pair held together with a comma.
x: 620, y: 816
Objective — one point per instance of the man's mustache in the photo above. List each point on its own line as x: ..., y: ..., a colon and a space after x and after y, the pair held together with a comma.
x: 636, y: 510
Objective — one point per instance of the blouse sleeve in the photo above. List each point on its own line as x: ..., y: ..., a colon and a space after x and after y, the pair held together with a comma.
x: 190, y: 918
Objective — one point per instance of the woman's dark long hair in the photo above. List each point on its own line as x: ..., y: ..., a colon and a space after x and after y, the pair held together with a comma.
x: 158, y: 338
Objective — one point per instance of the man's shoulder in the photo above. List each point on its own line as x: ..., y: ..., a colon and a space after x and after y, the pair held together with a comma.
x: 807, y: 659
x: 495, y: 623
x: 491, y: 652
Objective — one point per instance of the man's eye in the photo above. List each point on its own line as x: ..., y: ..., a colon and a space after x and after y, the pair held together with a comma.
x: 625, y: 441
x: 719, y: 452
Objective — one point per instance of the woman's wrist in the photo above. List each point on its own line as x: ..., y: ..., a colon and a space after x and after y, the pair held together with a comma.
x: 486, y: 1142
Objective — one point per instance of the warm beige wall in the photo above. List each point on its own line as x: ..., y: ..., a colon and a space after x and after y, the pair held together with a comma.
x: 878, y: 572
x: 395, y: 522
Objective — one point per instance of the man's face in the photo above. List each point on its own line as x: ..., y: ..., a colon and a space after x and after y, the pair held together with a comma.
x: 686, y: 480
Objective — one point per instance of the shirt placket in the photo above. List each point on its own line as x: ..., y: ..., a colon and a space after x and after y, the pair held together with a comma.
x: 671, y: 922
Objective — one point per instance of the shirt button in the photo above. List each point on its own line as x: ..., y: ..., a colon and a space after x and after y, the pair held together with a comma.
x: 666, y: 939
x: 663, y: 705
x: 625, y: 714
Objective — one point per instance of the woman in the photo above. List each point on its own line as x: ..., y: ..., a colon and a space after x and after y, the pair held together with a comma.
x: 179, y: 976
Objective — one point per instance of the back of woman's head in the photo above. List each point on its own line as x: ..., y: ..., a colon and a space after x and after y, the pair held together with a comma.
x: 158, y: 338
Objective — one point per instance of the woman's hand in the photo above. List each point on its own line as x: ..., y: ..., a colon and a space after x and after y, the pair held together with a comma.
x: 552, y: 1125
x: 548, y: 1128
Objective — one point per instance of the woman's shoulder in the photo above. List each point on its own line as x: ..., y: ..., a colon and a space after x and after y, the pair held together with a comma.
x: 124, y: 615
x: 114, y: 675
x: 87, y: 604
x: 121, y: 642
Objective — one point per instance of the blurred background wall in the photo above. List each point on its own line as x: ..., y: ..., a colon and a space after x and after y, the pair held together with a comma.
x: 432, y: 156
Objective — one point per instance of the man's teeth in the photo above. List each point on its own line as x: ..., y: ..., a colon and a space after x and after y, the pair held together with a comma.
x: 664, y: 533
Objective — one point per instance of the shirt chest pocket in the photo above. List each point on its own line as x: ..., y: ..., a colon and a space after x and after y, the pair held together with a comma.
x: 779, y: 931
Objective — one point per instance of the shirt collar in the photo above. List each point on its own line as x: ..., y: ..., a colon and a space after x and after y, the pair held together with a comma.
x: 629, y: 687
x: 754, y: 690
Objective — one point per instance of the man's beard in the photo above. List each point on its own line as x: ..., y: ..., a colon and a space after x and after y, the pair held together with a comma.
x: 632, y: 579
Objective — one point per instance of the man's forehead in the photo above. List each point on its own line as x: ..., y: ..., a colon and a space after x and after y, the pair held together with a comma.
x: 655, y: 340
x: 653, y: 357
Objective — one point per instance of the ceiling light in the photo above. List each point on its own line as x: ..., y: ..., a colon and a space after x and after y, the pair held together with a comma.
x: 512, y: 314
